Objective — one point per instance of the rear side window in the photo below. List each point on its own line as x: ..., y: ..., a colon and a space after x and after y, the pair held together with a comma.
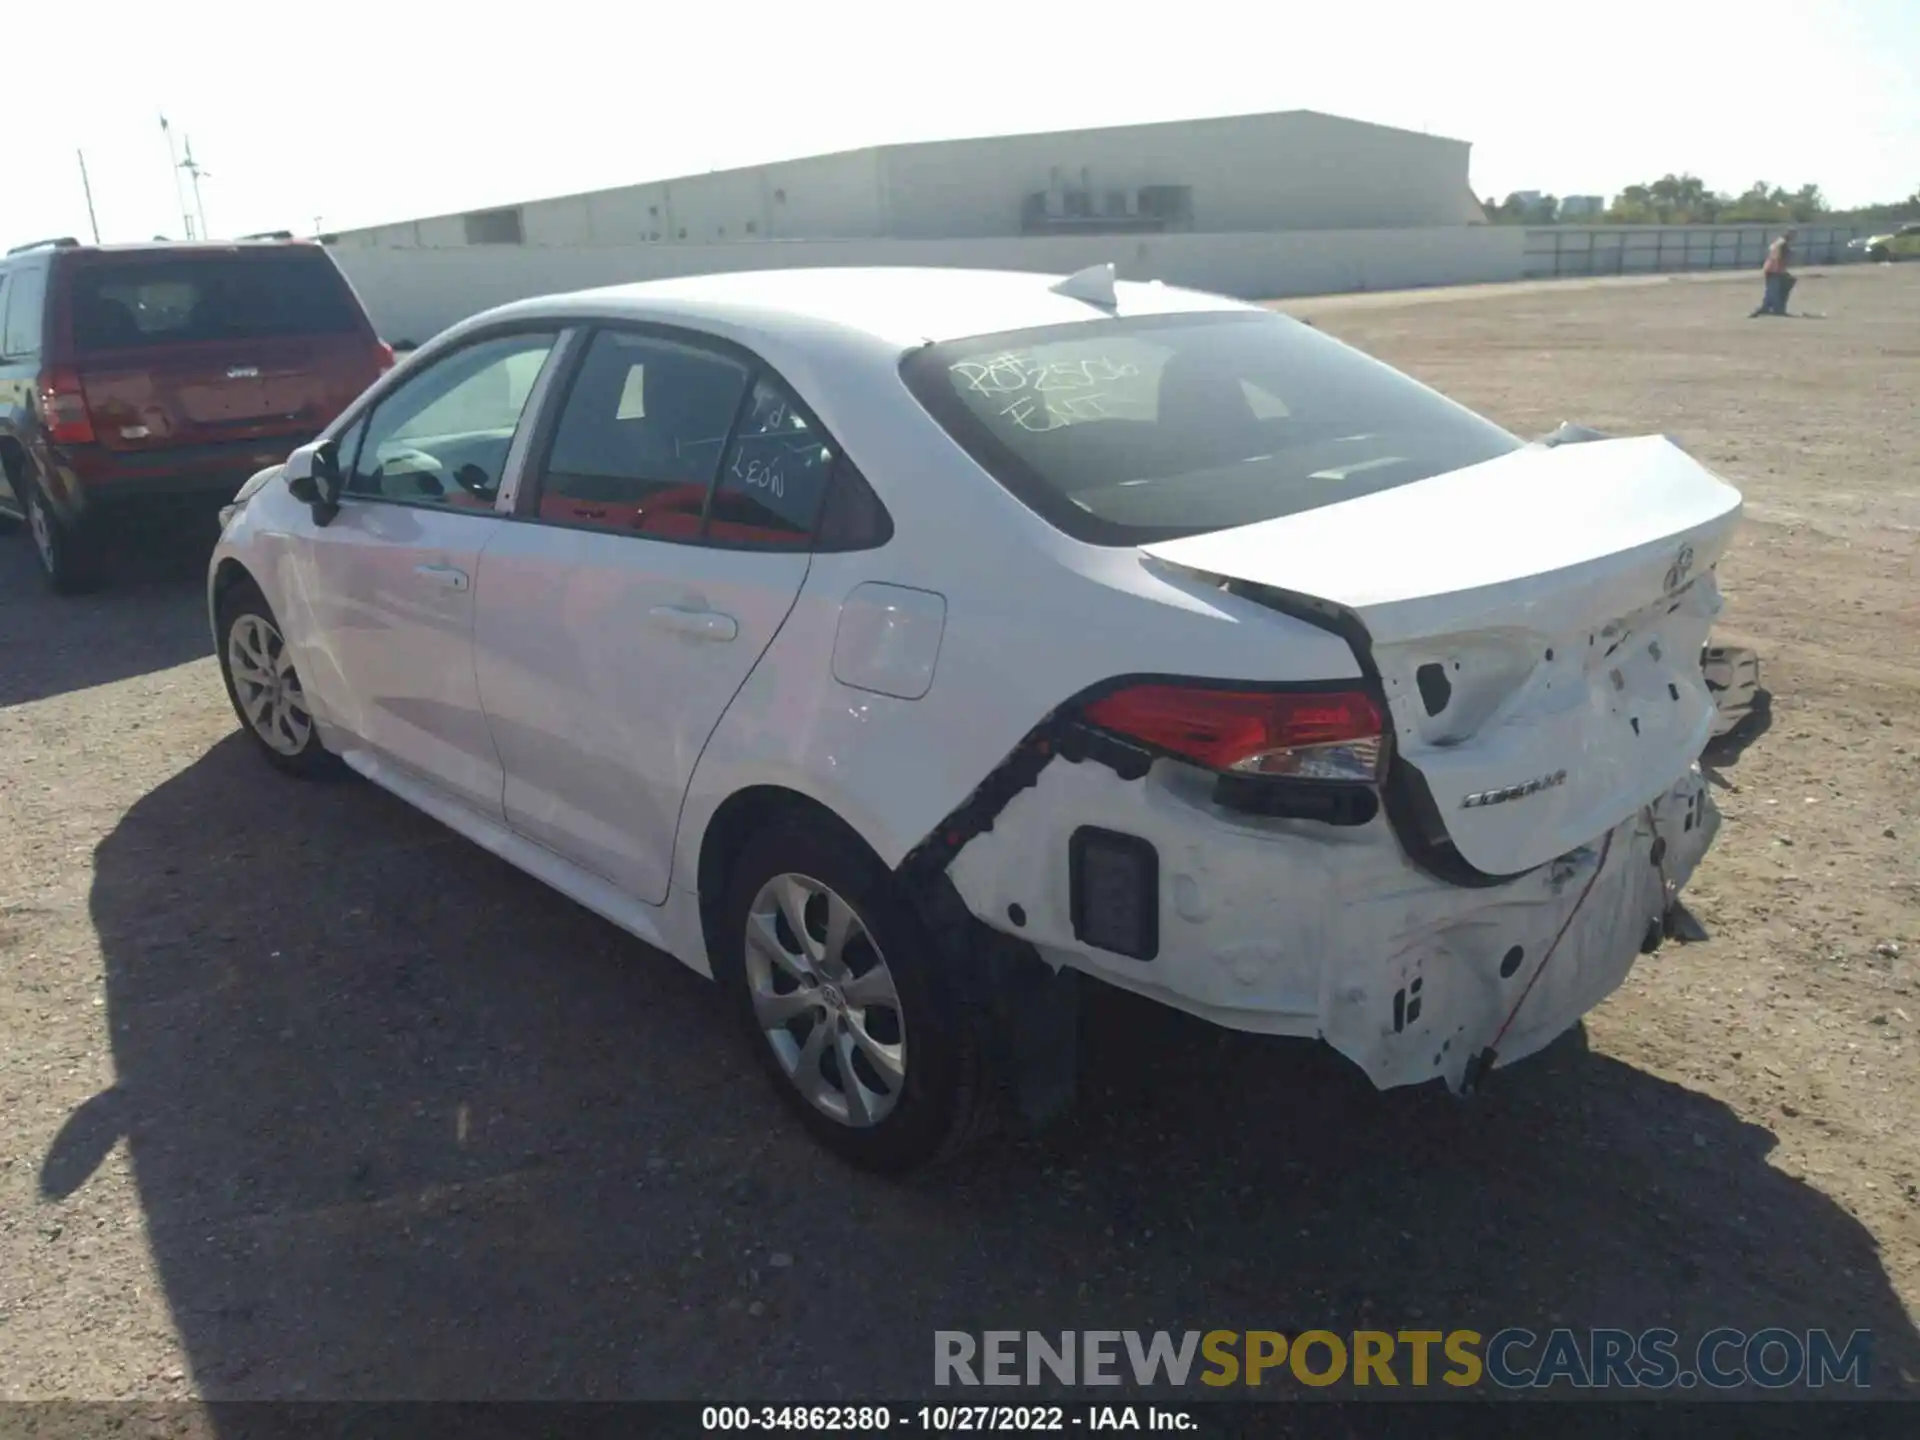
x: 22, y: 306
x: 641, y: 436
x: 1128, y: 431
x: 164, y: 300
x: 775, y: 475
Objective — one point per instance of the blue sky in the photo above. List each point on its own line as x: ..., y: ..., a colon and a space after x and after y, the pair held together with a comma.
x: 356, y: 112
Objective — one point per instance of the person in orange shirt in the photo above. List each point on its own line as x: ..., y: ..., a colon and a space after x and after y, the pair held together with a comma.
x: 1779, y: 282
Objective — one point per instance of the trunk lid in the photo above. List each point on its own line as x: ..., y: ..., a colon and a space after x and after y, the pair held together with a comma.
x: 191, y: 347
x: 234, y: 390
x: 1536, y: 622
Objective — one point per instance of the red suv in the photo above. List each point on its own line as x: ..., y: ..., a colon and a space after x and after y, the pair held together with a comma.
x: 137, y: 378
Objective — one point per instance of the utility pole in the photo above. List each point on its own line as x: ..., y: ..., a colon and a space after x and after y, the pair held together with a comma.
x: 173, y: 169
x: 195, y: 173
x: 87, y: 189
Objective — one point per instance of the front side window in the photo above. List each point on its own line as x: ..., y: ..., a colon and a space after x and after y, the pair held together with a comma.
x: 641, y: 436
x: 441, y: 437
x: 1127, y: 431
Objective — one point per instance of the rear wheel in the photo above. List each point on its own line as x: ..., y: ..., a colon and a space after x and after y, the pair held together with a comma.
x: 840, y: 988
x: 265, y: 687
x: 66, y: 555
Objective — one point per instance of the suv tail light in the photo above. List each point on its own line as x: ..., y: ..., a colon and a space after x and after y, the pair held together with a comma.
x: 1336, y: 735
x: 63, y: 405
x: 383, y: 356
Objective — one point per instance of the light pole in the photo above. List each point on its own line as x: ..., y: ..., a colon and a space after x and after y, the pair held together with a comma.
x: 87, y: 188
x: 173, y: 169
x: 195, y: 172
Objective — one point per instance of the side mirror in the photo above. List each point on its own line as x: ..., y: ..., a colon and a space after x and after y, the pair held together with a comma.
x: 313, y: 478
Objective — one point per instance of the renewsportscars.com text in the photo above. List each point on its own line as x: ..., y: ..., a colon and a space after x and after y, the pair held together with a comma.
x: 1512, y: 1359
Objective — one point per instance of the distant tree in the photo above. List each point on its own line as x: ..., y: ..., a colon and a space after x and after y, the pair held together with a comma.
x: 1527, y: 209
x: 1807, y: 203
x: 1682, y: 199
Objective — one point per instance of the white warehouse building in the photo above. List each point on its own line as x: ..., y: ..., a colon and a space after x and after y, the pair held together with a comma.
x: 1255, y: 205
x: 1290, y: 171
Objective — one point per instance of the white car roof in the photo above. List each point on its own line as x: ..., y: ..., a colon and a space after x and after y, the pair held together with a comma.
x: 897, y: 307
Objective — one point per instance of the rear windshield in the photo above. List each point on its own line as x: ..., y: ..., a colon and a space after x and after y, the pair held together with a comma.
x: 1127, y: 431
x: 125, y: 304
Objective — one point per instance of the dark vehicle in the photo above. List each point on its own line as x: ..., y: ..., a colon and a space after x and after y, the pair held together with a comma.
x: 152, y: 380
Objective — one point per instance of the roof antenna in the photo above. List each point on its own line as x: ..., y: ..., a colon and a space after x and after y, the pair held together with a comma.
x: 1093, y: 285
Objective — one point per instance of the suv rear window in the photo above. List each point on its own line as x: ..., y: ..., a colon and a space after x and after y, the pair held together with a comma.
x: 1128, y: 431
x: 125, y: 304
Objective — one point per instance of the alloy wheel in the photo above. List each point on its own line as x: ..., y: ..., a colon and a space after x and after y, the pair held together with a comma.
x: 40, y: 523
x: 825, y: 1000
x: 265, y: 682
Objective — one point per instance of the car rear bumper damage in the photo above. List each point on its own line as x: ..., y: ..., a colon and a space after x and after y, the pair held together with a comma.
x: 1289, y: 927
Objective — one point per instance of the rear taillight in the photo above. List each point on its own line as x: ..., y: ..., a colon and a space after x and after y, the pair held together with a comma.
x: 1303, y: 735
x: 63, y: 407
x: 383, y: 356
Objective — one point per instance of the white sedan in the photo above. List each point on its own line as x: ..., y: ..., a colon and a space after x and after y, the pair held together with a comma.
x: 897, y: 646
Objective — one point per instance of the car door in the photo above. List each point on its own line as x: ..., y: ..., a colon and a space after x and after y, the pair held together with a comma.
x: 663, y: 537
x: 387, y: 588
x: 1906, y: 242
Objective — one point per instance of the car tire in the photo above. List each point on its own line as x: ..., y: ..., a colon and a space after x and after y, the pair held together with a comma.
x: 1879, y: 253
x: 67, y: 555
x: 883, y: 1011
x: 265, y: 688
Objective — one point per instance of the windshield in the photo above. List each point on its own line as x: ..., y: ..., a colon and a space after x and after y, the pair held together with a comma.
x: 1128, y: 431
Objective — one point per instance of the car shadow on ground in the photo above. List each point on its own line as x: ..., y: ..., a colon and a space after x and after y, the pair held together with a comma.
x: 149, y: 615
x: 1725, y: 750
x: 405, y: 1124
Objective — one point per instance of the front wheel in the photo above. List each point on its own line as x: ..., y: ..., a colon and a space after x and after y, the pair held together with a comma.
x: 265, y: 687
x: 845, y: 999
x: 1879, y: 253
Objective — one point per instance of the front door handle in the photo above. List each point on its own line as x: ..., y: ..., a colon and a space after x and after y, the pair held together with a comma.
x: 448, y: 576
x: 700, y: 624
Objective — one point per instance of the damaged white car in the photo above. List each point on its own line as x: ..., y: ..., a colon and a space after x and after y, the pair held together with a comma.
x: 899, y: 646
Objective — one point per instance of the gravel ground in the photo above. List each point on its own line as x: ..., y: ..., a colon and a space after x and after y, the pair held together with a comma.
x: 304, y: 1096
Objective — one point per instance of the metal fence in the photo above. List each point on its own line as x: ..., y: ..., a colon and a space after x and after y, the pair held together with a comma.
x: 1653, y: 249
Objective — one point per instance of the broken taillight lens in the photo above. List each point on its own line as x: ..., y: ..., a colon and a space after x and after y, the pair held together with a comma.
x: 63, y: 406
x: 1298, y: 734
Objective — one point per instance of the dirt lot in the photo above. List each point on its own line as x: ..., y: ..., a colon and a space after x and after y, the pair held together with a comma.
x: 305, y: 1097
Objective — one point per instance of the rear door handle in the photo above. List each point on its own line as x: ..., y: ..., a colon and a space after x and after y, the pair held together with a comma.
x: 700, y: 624
x: 447, y: 576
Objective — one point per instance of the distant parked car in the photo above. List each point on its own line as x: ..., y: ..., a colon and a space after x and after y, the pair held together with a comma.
x: 886, y: 642
x: 1900, y: 244
x: 144, y: 377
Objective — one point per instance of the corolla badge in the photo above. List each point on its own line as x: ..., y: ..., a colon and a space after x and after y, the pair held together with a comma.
x: 1681, y: 568
x: 1513, y: 792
